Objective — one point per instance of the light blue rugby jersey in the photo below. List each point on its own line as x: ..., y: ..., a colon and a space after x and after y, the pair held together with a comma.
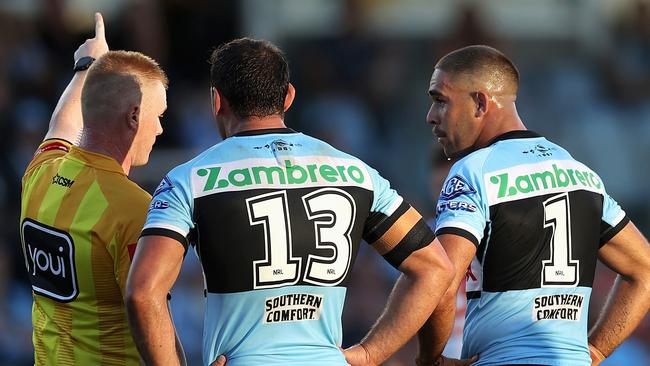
x: 538, y: 218
x: 277, y: 217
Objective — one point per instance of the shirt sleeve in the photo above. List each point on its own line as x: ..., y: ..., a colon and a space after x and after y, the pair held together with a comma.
x: 170, y: 213
x: 613, y: 220
x: 462, y: 209
x: 394, y: 228
x: 48, y: 150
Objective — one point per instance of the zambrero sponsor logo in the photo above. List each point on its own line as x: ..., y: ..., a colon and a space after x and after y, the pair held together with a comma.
x: 267, y: 173
x: 538, y: 179
x: 292, y: 307
x: 558, y: 307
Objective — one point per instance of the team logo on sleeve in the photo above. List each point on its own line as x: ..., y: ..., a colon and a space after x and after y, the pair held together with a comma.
x: 454, y: 187
x: 164, y: 186
x: 158, y: 205
x: 456, y: 206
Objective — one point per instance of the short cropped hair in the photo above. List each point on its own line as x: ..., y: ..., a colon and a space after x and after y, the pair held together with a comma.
x: 483, y: 60
x: 113, y: 78
x: 252, y: 75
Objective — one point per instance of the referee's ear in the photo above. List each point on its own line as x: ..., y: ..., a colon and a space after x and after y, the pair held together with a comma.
x: 288, y: 99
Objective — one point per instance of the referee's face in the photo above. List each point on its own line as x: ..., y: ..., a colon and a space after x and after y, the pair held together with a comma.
x: 452, y: 114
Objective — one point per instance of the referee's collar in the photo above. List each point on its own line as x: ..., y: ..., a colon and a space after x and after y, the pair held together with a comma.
x: 95, y: 160
x: 264, y: 131
x: 518, y: 134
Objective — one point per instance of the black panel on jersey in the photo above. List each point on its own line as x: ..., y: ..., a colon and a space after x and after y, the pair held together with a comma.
x: 419, y: 237
x: 608, y: 232
x: 378, y: 223
x: 519, y: 242
x: 228, y: 244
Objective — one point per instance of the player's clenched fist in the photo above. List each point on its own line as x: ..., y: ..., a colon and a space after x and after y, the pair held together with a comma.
x: 220, y: 361
x: 357, y: 355
x: 94, y: 47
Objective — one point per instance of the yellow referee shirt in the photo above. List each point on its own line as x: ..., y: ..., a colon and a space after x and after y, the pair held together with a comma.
x: 80, y: 219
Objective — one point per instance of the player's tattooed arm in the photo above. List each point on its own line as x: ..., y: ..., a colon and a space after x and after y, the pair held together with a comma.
x: 433, y: 336
x: 154, y: 270
x: 628, y: 254
x: 66, y: 121
x: 426, y: 274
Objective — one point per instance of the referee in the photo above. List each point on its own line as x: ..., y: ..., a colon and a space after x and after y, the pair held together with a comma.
x: 80, y: 214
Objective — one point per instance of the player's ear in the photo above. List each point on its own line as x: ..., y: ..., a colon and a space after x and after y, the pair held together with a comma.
x: 288, y: 99
x: 133, y: 117
x: 481, y: 100
x: 215, y: 100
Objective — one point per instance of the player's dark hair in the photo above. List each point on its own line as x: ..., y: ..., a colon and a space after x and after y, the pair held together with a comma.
x: 252, y: 75
x: 480, y: 59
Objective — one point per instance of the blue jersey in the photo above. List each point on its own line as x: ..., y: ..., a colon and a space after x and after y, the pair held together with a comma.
x: 538, y: 218
x: 276, y: 218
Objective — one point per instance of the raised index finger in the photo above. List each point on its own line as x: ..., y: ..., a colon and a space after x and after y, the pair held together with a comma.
x: 99, y: 26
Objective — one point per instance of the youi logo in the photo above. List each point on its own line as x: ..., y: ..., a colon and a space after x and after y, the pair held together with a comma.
x: 454, y: 187
x: 49, y: 257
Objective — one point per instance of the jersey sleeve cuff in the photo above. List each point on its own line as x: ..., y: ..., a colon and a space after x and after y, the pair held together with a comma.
x: 167, y: 233
x: 608, y: 234
x: 460, y: 232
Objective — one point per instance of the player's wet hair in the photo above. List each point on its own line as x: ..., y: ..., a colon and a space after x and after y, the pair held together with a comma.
x: 115, y: 79
x: 482, y: 60
x: 252, y: 75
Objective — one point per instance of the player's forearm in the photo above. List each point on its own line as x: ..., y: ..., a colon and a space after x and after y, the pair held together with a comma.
x: 66, y: 121
x: 435, y: 332
x: 411, y: 302
x: 627, y: 305
x: 152, y: 330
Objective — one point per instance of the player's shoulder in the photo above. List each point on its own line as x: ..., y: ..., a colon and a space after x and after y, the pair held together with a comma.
x: 320, y: 147
x: 474, y: 162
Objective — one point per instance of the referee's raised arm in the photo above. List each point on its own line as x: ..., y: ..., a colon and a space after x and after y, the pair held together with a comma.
x: 66, y: 121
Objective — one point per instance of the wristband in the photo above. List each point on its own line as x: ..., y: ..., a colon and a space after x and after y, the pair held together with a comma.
x: 83, y: 63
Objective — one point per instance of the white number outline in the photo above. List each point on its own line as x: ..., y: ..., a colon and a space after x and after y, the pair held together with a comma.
x: 259, y: 283
x: 319, y: 225
x: 559, y: 219
x: 323, y: 220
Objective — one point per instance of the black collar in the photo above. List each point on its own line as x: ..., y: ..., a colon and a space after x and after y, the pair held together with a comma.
x: 264, y: 131
x: 519, y: 134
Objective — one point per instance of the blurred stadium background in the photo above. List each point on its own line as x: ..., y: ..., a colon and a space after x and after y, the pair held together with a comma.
x: 361, y: 69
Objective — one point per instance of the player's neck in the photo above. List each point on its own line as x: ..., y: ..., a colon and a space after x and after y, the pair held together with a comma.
x: 255, y: 123
x: 101, y: 143
x: 502, y: 124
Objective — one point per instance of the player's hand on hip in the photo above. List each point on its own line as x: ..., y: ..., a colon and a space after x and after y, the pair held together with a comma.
x: 94, y: 47
x: 445, y: 361
x: 596, y: 356
x: 357, y: 355
x: 220, y: 361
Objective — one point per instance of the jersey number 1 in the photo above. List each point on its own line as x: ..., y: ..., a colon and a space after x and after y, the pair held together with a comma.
x: 561, y: 270
x: 331, y: 210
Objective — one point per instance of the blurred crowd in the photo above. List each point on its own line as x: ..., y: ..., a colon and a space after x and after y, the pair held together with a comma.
x: 362, y: 92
